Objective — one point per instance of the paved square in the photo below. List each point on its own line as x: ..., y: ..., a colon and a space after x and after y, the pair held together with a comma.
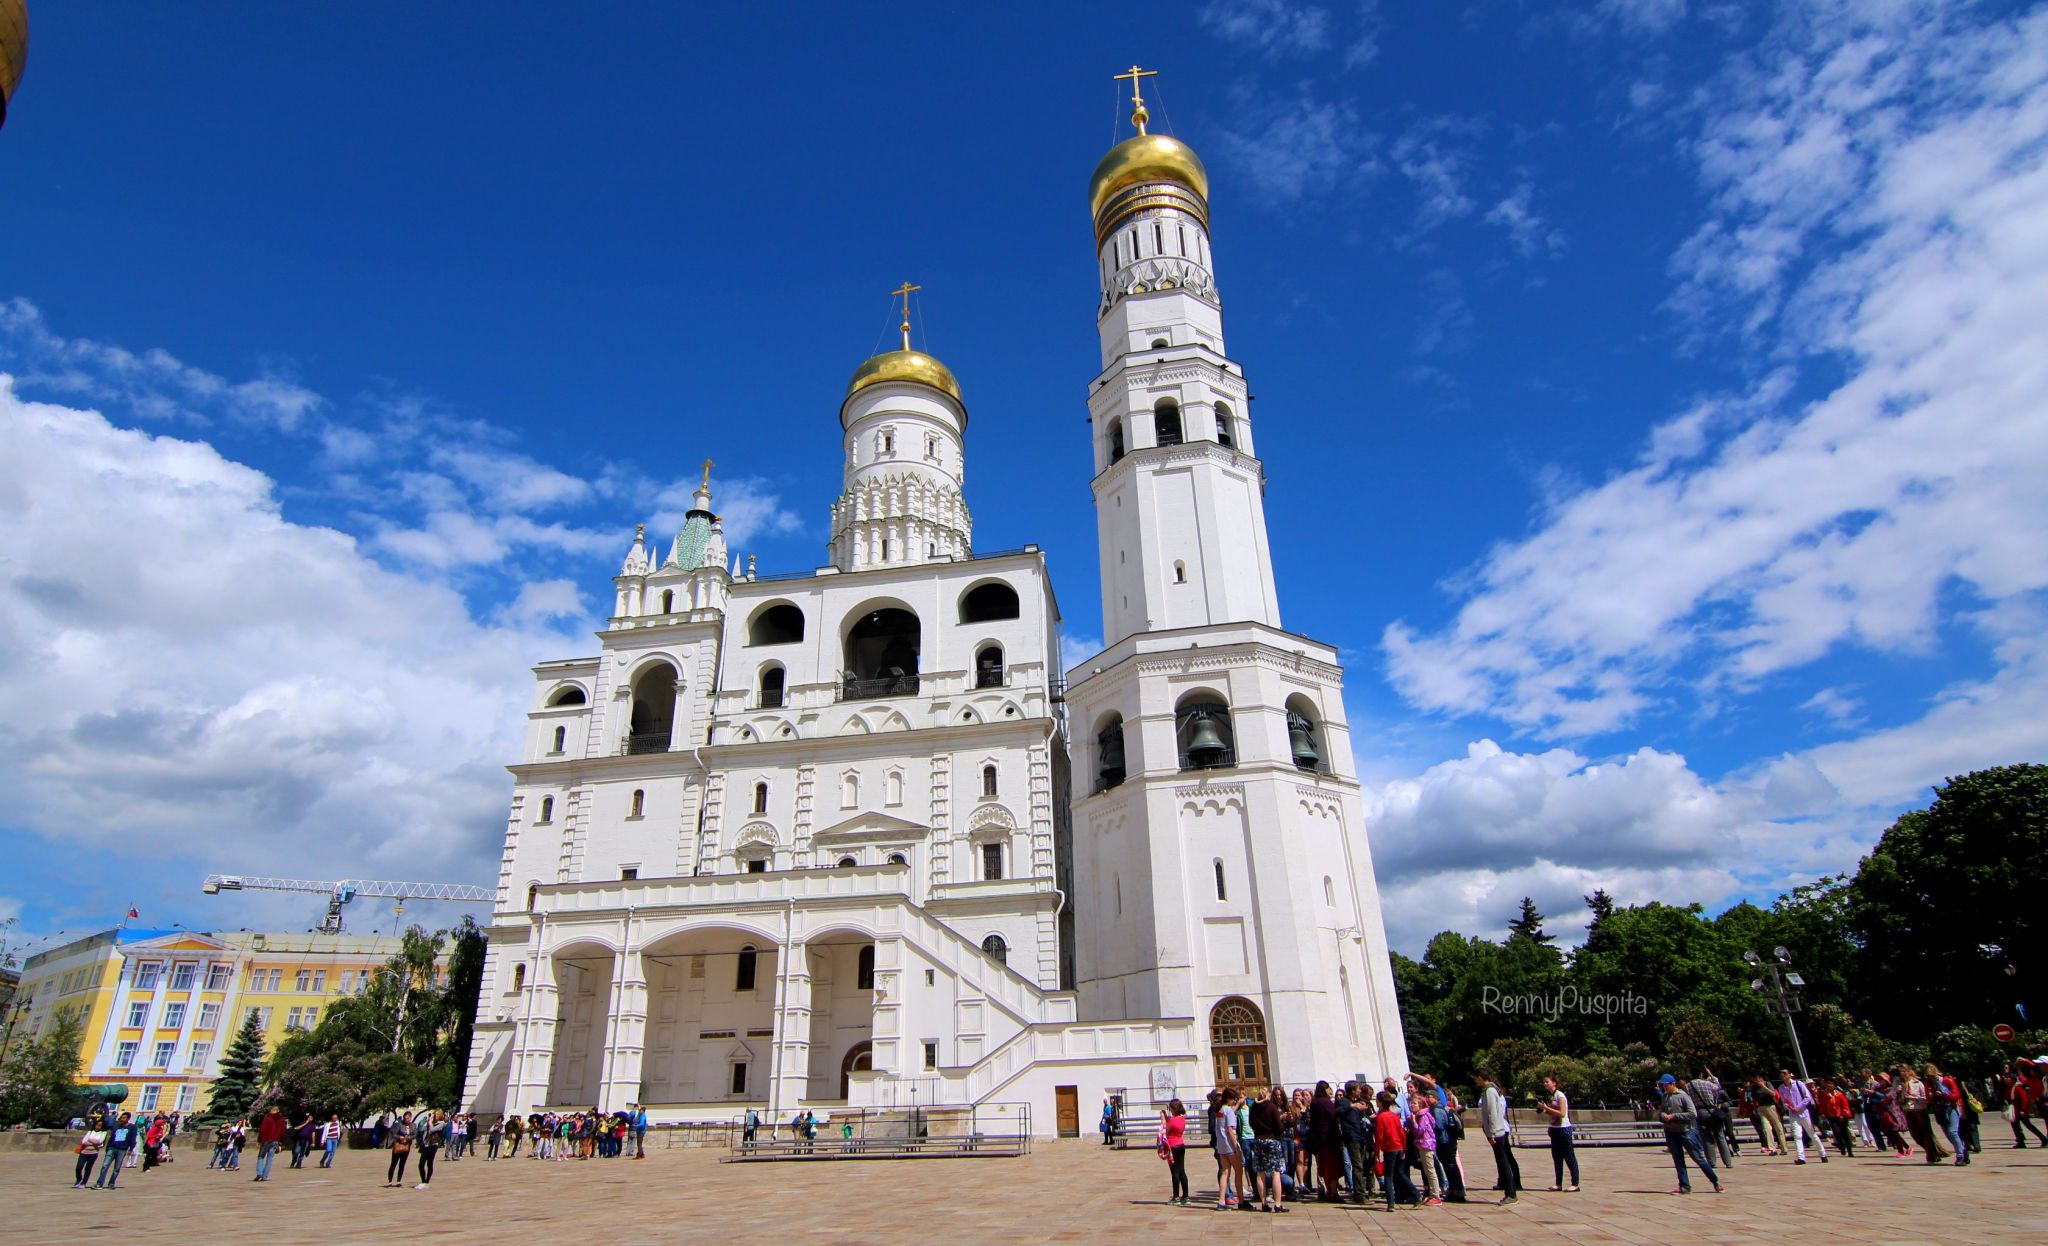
x: 1063, y: 1192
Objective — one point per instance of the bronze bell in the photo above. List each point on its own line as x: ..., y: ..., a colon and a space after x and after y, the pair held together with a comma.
x: 1205, y: 743
x: 1303, y: 744
x: 1113, y: 752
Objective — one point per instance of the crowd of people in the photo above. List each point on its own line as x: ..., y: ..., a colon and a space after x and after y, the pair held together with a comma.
x: 1400, y: 1142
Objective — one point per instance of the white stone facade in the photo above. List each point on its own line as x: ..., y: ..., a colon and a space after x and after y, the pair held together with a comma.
x: 814, y: 840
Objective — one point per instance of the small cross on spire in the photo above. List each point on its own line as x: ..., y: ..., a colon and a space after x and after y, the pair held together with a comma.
x: 707, y: 474
x: 904, y: 292
x: 1138, y: 114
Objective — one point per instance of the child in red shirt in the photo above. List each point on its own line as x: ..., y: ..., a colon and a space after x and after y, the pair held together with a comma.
x: 1390, y: 1139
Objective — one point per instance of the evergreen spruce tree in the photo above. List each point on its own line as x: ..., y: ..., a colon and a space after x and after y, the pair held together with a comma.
x: 1598, y: 937
x: 1529, y: 924
x: 241, y: 1073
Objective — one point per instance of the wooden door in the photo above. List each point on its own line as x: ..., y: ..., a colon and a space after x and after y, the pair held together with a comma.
x: 1067, y: 1110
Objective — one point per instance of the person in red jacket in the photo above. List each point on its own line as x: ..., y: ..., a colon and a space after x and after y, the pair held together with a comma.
x: 1834, y: 1115
x: 269, y: 1136
x: 1390, y: 1139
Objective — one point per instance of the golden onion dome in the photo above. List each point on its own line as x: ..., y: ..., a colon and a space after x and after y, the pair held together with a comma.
x: 913, y: 366
x: 13, y: 49
x: 1147, y: 158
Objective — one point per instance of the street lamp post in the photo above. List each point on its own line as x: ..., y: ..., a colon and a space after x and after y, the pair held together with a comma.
x: 1782, y: 976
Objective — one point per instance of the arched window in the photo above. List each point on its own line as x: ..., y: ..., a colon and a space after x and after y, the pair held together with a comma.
x: 864, y: 969
x: 518, y: 978
x: 779, y: 624
x: 1180, y: 571
x: 986, y: 603
x: 532, y: 896
x: 771, y: 687
x: 847, y: 863
x: 882, y: 655
x: 668, y: 601
x: 1304, y: 739
x: 547, y: 809
x: 988, y: 781
x: 1158, y: 343
x: 639, y: 803
x: 760, y: 798
x: 569, y: 695
x: 1166, y: 423
x: 997, y: 948
x: 1202, y: 732
x: 561, y: 738
x: 1226, y: 435
x: 1329, y: 892
x: 1237, y: 1043
x: 1116, y: 440
x: 743, y: 975
x: 849, y: 791
x: 892, y: 787
x: 1222, y: 891
x: 654, y: 710
x: 897, y: 858
x: 1109, y: 753
x: 988, y: 667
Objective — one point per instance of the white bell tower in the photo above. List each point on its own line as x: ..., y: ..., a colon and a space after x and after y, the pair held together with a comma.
x: 1220, y: 863
x: 1179, y: 491
x: 905, y: 431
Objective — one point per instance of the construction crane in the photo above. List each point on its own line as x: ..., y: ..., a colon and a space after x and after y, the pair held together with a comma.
x: 340, y: 893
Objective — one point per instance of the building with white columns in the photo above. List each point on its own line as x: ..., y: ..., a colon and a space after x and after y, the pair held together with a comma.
x: 813, y: 840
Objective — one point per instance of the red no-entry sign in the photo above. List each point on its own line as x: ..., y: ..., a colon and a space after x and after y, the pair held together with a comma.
x: 2002, y: 1032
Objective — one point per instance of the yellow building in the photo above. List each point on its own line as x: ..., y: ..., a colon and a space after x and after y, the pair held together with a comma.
x: 161, y: 1006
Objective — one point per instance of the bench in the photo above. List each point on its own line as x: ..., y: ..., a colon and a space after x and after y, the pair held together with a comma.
x: 1141, y: 1129
x: 829, y: 1147
x: 1596, y: 1134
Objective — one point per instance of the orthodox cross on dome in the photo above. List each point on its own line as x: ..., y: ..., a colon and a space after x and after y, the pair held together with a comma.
x: 1138, y: 114
x: 904, y: 292
x: 707, y: 474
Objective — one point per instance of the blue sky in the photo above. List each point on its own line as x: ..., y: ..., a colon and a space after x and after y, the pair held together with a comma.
x: 1651, y: 393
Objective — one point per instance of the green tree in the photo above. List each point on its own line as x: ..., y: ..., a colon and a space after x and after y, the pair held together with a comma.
x: 1947, y: 910
x: 1528, y: 924
x: 458, y: 1007
x: 240, y: 1082
x: 1695, y: 1041
x: 1601, y: 906
x: 1509, y: 1062
x: 38, y: 1082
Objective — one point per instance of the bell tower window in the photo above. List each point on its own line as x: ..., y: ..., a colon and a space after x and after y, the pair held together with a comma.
x: 1166, y: 423
x: 1225, y: 435
x: 1203, y: 734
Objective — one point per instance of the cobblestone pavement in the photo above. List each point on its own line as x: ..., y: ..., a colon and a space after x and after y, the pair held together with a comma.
x: 1063, y: 1192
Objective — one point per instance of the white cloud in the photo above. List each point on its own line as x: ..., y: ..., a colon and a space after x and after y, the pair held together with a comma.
x: 191, y: 676
x: 154, y: 383
x: 1076, y: 649
x: 1459, y: 845
x: 513, y: 481
x: 1435, y: 157
x: 1268, y: 27
x: 542, y: 600
x: 1642, y: 16
x: 1288, y: 151
x: 1530, y: 233
x: 1921, y: 261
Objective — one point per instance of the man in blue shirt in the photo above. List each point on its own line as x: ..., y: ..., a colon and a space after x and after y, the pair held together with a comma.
x: 639, y: 1131
x: 120, y: 1141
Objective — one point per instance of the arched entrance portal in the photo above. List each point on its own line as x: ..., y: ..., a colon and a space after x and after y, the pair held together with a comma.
x: 859, y: 1059
x: 1237, y: 1043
